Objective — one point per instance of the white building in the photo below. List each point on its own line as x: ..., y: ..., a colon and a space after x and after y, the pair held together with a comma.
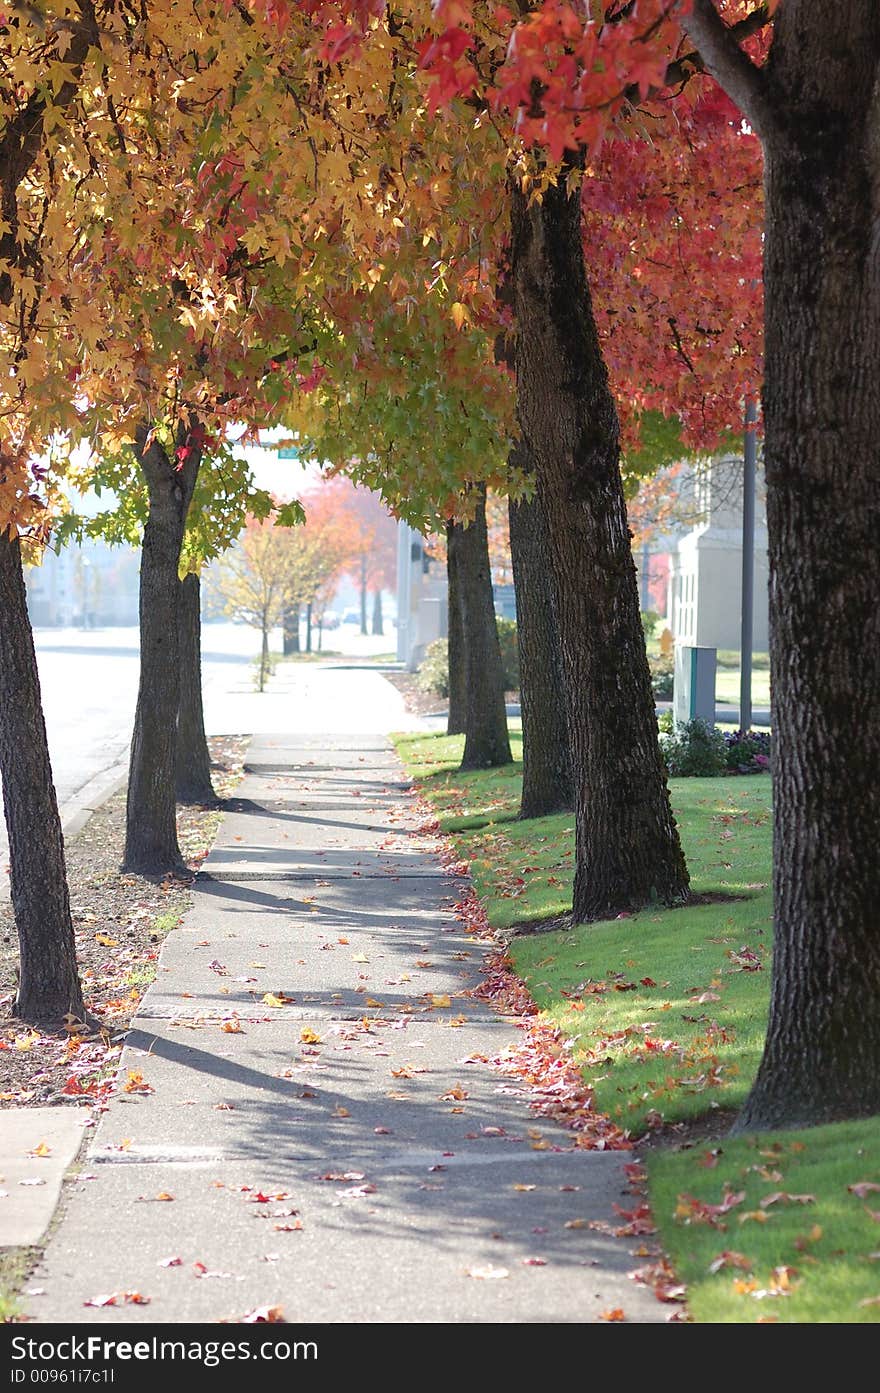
x: 705, y: 582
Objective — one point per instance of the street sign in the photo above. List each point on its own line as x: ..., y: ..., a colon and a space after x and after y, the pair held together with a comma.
x: 288, y: 454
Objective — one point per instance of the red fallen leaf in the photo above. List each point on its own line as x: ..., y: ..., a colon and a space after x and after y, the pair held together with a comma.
x: 783, y: 1197
x: 119, y: 1298
x: 730, y: 1259
x: 616, y: 1313
x: 709, y: 1159
x: 270, y: 1315
x: 171, y: 1262
x: 199, y: 1268
x: 648, y: 982
x: 863, y: 1188
x: 534, y: 1262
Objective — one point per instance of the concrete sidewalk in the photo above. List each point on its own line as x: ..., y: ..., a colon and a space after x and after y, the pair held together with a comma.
x: 321, y: 1131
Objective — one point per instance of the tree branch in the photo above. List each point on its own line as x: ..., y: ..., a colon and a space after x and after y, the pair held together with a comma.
x: 721, y: 55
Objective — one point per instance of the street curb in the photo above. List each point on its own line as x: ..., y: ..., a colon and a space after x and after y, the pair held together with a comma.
x: 93, y: 795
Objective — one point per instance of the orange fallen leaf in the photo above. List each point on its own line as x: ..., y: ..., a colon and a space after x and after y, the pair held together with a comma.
x: 232, y: 1027
x: 615, y: 1314
x: 41, y: 1150
x: 136, y: 1083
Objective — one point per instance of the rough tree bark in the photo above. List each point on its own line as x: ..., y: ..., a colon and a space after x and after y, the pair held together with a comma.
x: 192, y: 757
x: 628, y: 852
x: 378, y: 626
x: 547, y: 782
x: 49, y: 985
x: 309, y: 627
x: 816, y: 107
x: 151, y: 824
x: 457, y: 719
x: 486, y: 741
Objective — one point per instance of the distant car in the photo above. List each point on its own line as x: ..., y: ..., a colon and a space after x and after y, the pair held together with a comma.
x: 351, y: 616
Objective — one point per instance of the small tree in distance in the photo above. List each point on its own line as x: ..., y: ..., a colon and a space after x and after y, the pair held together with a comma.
x: 256, y: 580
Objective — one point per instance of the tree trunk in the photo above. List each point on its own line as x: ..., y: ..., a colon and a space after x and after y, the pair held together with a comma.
x: 486, y: 742
x: 628, y: 852
x: 547, y: 782
x: 364, y: 629
x: 822, y: 462
x: 264, y: 655
x: 151, y: 816
x: 291, y: 631
x: 456, y: 723
x: 309, y: 627
x: 192, y: 758
x: 377, y: 613
x: 49, y: 984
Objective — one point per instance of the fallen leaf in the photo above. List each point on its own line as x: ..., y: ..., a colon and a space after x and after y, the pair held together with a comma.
x: 41, y: 1150
x: 863, y: 1188
x: 487, y: 1274
x: 269, y: 1315
x: 731, y: 1259
x: 615, y: 1314
x: 309, y: 1036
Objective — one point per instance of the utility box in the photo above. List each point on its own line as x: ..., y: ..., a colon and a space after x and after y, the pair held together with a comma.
x: 693, y: 693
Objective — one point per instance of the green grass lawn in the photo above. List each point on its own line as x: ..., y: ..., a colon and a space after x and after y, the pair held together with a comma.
x: 666, y: 1012
x: 810, y: 1255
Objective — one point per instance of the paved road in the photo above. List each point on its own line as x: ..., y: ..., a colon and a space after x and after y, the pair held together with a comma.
x: 89, y: 682
x: 342, y: 1149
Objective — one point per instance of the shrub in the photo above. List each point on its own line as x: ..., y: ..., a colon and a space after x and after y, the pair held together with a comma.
x: 509, y: 653
x: 694, y: 750
x: 662, y: 676
x: 433, y: 673
x: 747, y: 752
x: 650, y: 619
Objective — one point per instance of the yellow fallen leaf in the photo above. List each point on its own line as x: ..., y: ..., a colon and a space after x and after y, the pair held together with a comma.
x: 360, y: 958
x: 26, y: 1042
x: 41, y: 1150
x: 106, y: 941
x: 340, y: 1111
x: 269, y: 999
x: 524, y: 1188
x: 136, y: 1083
x: 441, y: 1000
x: 309, y: 1036
x: 760, y: 1216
